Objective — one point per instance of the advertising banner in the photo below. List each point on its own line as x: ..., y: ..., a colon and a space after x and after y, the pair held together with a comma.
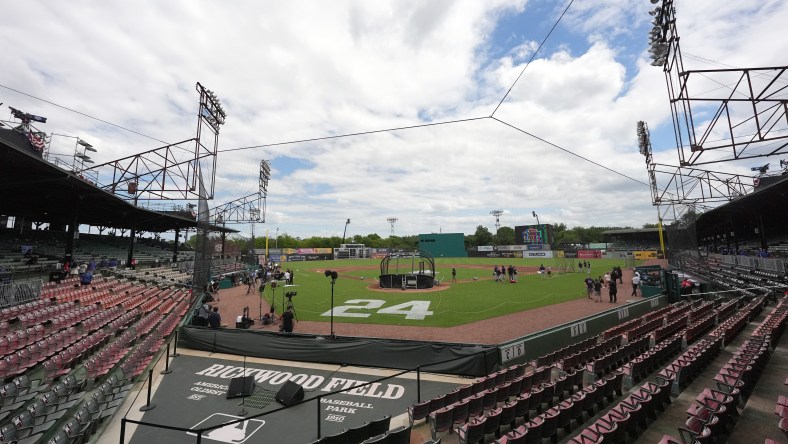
x: 313, y: 251
x: 538, y: 246
x: 484, y: 248
x: 537, y: 254
x: 589, y: 254
x: 647, y: 254
x: 308, y: 257
x: 511, y: 247
x: 503, y: 254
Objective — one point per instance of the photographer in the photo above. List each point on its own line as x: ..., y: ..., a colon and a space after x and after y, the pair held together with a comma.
x: 287, y: 320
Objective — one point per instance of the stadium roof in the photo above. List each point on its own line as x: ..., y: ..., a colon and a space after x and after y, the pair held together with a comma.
x: 771, y: 195
x: 37, y: 190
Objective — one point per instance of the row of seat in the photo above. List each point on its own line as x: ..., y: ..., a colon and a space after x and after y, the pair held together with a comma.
x: 701, y: 311
x: 644, y: 328
x: 397, y: 435
x: 713, y: 409
x: 673, y: 326
x: 557, y: 355
x: 582, y: 357
x: 79, y: 427
x: 682, y: 370
x: 74, y: 316
x: 14, y: 311
x: 698, y: 327
x: 647, y: 362
x: 40, y: 415
x: 515, y: 376
x: 730, y: 328
x: 528, y: 397
x: 488, y: 423
x: 560, y: 416
x: 627, y: 416
x: 728, y: 308
x: 604, y: 364
x: 61, y: 363
x: 375, y: 428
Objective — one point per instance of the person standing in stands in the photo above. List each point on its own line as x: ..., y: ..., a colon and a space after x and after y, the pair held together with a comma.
x: 215, y: 319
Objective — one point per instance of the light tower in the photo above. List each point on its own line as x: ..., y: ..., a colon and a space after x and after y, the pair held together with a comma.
x: 392, y: 220
x: 497, y: 214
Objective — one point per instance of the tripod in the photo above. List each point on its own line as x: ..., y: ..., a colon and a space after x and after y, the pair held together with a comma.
x: 292, y: 307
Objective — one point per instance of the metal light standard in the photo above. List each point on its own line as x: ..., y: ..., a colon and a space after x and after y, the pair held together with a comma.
x: 536, y: 216
x: 345, y: 232
x: 333, y: 275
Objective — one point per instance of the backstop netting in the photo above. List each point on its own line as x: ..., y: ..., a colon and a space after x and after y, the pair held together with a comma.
x: 202, y: 249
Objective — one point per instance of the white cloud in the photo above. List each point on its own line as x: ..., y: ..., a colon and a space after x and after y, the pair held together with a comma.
x: 299, y: 70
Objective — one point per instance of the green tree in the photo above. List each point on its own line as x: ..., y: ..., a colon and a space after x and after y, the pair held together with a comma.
x: 482, y: 236
x: 505, y: 236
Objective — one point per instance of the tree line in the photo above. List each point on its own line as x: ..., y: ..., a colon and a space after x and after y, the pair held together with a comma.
x: 481, y: 237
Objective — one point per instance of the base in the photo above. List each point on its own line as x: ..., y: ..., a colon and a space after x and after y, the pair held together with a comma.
x: 147, y: 407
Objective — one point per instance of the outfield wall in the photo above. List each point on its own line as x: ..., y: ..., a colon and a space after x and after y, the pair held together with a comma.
x: 530, y: 347
x: 443, y: 244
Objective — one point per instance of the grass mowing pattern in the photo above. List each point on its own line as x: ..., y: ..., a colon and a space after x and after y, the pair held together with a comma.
x: 466, y: 301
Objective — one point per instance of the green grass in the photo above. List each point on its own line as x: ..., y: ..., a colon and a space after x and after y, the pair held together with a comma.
x: 466, y: 301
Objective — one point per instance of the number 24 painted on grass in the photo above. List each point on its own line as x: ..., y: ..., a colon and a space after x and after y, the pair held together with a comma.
x: 411, y: 309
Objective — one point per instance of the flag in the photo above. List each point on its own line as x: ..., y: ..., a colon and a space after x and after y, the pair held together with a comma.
x: 38, y: 140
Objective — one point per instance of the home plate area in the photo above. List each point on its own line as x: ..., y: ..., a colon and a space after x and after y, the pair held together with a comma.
x: 194, y: 397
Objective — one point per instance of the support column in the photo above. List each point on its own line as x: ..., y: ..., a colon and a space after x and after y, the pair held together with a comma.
x: 175, y: 249
x: 132, y: 237
x: 761, y: 232
x: 72, y: 231
x: 224, y: 238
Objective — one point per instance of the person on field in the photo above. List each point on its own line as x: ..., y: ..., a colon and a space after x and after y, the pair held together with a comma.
x: 453, y: 275
x: 612, y: 290
x: 589, y: 281
x: 635, y: 284
x: 598, y: 289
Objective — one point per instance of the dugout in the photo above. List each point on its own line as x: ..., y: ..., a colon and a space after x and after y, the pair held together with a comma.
x: 443, y: 244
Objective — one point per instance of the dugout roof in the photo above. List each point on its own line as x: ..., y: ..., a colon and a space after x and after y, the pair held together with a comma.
x: 37, y: 190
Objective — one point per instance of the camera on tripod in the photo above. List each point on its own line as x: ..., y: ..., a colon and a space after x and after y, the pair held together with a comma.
x: 290, y: 294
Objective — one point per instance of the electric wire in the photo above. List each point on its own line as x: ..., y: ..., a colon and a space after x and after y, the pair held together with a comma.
x: 82, y: 114
x: 533, y: 56
x: 545, y: 141
x: 361, y: 133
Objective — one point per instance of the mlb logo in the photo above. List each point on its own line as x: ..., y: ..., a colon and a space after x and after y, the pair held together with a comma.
x: 232, y: 433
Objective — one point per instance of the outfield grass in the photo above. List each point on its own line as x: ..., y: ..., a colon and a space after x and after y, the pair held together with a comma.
x: 466, y: 301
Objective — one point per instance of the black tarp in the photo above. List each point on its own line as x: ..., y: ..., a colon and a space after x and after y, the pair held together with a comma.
x: 463, y: 359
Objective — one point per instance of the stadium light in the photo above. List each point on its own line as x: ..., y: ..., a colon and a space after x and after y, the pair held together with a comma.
x: 536, y: 216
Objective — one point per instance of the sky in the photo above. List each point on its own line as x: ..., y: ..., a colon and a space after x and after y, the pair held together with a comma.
x: 562, y: 144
